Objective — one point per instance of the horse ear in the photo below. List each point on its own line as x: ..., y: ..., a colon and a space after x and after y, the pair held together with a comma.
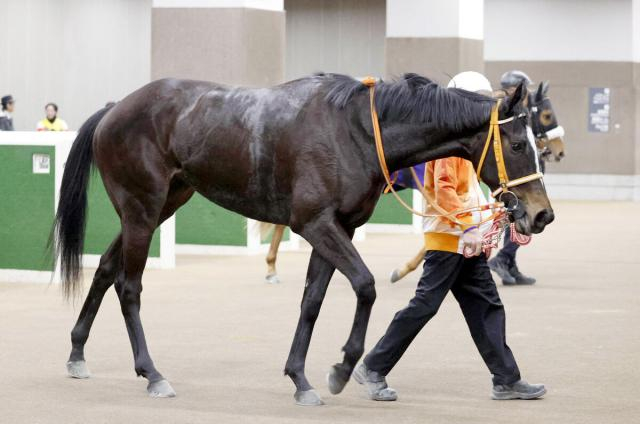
x: 545, y: 87
x: 518, y: 96
x: 540, y: 92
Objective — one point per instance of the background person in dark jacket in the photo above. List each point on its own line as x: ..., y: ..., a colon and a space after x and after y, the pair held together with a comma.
x: 6, y: 120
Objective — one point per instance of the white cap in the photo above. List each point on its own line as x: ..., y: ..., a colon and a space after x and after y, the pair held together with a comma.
x: 470, y: 81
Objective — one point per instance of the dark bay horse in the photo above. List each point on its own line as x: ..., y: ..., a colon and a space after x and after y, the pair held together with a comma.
x: 299, y: 154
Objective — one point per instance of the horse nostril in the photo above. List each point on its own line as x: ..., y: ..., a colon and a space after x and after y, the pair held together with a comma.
x: 544, y: 217
x: 561, y: 155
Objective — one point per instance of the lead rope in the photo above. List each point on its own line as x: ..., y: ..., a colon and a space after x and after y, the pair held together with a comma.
x: 491, y: 238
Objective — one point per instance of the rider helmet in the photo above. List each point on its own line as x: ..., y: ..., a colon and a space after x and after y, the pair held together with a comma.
x: 511, y: 79
x: 471, y: 81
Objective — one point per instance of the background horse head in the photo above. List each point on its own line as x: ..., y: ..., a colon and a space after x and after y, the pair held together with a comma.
x: 544, y: 124
x: 543, y: 120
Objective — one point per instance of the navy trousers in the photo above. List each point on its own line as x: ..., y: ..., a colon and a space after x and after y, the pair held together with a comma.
x: 471, y: 283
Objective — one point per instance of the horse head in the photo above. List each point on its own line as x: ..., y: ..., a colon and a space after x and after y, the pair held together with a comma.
x: 521, y: 189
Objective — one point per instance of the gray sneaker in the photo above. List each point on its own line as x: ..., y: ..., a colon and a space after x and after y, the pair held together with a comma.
x: 376, y: 384
x: 518, y: 390
x: 500, y: 267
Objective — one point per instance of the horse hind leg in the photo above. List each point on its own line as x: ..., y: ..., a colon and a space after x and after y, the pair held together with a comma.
x: 140, y: 217
x: 272, y: 256
x: 399, y: 273
x: 110, y: 264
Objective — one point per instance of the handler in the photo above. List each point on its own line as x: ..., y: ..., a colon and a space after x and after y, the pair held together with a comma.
x: 452, y: 182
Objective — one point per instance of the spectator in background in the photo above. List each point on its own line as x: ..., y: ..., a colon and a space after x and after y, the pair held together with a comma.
x: 6, y: 120
x: 52, y: 122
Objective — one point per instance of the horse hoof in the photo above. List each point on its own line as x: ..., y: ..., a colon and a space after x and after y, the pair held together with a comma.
x: 395, y: 276
x: 272, y: 279
x: 78, y: 369
x: 307, y: 398
x: 161, y: 389
x: 337, y: 379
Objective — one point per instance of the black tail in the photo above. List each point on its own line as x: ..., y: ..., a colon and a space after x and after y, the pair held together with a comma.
x: 70, y: 222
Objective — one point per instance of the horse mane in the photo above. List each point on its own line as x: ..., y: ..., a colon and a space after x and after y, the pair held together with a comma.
x: 414, y: 98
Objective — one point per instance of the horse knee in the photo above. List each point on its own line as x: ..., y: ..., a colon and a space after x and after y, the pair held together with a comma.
x: 365, y: 289
x: 128, y: 292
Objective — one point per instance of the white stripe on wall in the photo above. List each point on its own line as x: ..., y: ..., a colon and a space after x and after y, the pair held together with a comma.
x: 593, y: 187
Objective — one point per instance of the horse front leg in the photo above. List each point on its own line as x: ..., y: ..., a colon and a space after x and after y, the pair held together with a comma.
x: 333, y: 242
x: 272, y: 256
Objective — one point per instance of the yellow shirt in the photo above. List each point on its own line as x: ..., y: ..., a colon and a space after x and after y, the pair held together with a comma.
x: 57, y: 125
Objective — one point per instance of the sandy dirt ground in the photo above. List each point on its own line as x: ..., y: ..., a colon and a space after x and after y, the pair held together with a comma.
x: 221, y: 336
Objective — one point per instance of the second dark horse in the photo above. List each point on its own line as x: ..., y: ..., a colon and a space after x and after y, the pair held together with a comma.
x: 300, y: 154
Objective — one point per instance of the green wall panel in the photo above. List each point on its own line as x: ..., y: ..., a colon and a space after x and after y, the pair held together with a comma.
x: 26, y: 208
x: 389, y: 211
x: 103, y: 223
x: 203, y: 222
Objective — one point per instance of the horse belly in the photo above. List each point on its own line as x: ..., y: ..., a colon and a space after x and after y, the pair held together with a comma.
x: 229, y: 178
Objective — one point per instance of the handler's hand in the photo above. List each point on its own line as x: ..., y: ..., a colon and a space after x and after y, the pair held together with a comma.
x: 472, y: 243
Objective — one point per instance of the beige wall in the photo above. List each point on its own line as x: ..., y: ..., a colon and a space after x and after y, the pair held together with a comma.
x: 77, y: 53
x: 587, y: 152
x: 236, y: 46
x: 335, y: 36
x: 436, y: 58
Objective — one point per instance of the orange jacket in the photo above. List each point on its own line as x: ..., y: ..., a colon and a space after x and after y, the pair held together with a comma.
x: 452, y: 182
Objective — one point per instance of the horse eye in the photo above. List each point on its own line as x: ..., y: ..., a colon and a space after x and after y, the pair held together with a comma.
x: 517, y: 146
x: 546, y: 118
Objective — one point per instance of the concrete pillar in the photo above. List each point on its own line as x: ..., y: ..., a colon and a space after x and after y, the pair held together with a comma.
x: 435, y: 38
x: 236, y: 42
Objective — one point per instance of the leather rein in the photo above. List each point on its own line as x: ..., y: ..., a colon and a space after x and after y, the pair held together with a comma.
x: 494, y: 135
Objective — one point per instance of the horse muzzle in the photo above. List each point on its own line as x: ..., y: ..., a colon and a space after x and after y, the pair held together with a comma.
x: 541, y: 220
x: 527, y: 224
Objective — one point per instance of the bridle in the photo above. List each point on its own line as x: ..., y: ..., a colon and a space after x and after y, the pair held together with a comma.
x: 493, y: 137
x: 503, y: 177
